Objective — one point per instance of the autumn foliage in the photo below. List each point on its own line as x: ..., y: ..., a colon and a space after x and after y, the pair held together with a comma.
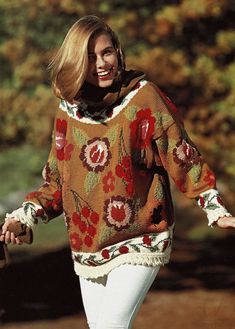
x: 187, y: 47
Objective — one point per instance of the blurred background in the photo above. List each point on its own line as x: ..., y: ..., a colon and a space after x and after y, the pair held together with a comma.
x: 187, y: 47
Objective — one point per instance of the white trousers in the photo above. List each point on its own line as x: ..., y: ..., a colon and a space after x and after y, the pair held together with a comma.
x: 113, y: 301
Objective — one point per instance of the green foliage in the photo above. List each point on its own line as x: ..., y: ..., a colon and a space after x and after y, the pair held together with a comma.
x: 187, y: 47
x: 21, y: 168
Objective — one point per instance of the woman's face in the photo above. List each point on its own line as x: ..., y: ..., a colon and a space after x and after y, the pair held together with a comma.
x: 103, y: 61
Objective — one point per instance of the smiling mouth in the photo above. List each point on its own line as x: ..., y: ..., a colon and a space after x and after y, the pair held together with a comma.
x: 104, y: 74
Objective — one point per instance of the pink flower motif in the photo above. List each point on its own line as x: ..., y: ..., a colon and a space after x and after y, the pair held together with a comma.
x: 142, y: 128
x: 186, y: 155
x: 108, y: 182
x: 75, y: 241
x: 95, y: 155
x: 118, y: 212
x: 46, y: 175
x: 63, y: 149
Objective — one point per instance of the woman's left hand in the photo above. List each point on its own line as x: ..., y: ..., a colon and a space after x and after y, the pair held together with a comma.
x: 226, y: 222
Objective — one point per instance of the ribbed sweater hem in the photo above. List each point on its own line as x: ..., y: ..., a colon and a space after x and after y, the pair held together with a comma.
x: 146, y: 259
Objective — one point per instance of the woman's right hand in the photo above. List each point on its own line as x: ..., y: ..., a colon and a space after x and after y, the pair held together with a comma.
x: 7, y: 236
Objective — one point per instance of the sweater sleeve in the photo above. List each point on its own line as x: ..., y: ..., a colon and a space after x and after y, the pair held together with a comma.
x: 46, y: 202
x: 182, y: 160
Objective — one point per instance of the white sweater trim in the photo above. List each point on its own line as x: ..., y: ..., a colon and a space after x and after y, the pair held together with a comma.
x: 211, y: 203
x: 27, y: 214
x: 146, y: 259
x: 71, y: 109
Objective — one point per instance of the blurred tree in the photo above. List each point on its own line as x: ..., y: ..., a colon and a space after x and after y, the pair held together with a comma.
x: 187, y: 47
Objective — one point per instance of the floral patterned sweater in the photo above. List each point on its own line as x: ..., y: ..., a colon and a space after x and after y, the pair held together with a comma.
x: 108, y: 172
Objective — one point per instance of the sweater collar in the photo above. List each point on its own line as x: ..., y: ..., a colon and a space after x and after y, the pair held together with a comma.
x: 119, y: 89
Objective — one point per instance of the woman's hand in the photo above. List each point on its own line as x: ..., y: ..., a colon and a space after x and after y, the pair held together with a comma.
x: 7, y: 236
x: 226, y: 222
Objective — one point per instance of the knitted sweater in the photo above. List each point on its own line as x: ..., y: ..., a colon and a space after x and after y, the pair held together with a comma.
x: 108, y: 173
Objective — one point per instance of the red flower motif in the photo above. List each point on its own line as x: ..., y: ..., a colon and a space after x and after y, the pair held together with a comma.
x: 210, y: 178
x: 147, y: 240
x: 219, y: 200
x: 165, y: 244
x: 130, y: 188
x: 33, y: 195
x: 85, y: 212
x: 75, y: 241
x: 95, y: 155
x: 61, y: 126
x: 94, y: 217
x: 180, y: 185
x: 120, y: 172
x: 142, y: 128
x: 123, y: 250
x: 105, y: 254
x: 168, y: 101
x: 126, y: 161
x: 118, y: 212
x: 82, y: 226
x: 63, y: 149
x: 76, y: 218
x: 201, y: 201
x: 56, y: 202
x: 91, y: 230
x: 68, y: 151
x: 124, y: 171
x: 40, y: 213
x: 88, y: 241
x: 108, y: 182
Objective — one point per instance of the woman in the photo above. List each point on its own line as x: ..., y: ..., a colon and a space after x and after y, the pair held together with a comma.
x: 117, y: 138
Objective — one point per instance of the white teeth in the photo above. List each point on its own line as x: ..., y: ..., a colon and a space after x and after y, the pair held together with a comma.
x: 101, y: 74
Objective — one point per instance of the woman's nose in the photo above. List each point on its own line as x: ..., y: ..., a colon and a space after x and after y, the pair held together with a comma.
x: 100, y: 61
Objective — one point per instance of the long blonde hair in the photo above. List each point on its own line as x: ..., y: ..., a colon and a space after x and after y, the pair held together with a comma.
x: 70, y: 64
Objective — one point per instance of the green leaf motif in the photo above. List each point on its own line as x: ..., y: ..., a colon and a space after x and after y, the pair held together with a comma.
x: 112, y: 134
x: 195, y: 173
x: 105, y: 234
x: 162, y: 119
x: 53, y: 164
x: 130, y: 112
x: 212, y: 207
x: 136, y: 248
x: 80, y: 136
x: 91, y: 180
x: 159, y: 193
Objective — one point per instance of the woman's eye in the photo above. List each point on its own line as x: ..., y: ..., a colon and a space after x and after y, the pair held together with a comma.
x: 108, y: 52
x: 91, y: 58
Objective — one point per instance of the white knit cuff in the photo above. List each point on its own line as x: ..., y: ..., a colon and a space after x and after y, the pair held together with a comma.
x: 211, y: 202
x: 30, y: 213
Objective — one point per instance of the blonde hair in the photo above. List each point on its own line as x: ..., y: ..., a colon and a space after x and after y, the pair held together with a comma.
x: 70, y: 64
